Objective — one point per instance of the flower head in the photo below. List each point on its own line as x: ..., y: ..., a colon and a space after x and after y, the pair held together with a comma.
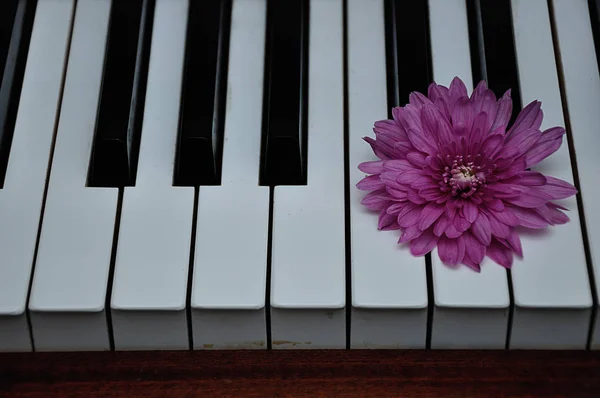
x: 452, y: 175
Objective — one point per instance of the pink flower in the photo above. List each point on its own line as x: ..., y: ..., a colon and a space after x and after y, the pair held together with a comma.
x: 452, y: 176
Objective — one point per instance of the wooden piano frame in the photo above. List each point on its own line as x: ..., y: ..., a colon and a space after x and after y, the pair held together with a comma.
x: 313, y: 373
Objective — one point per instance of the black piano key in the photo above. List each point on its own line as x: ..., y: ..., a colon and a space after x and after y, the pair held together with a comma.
x: 115, y: 149
x: 203, y: 98
x: 16, y: 19
x: 285, y: 104
x: 594, y: 9
x: 408, y: 50
x: 492, y: 42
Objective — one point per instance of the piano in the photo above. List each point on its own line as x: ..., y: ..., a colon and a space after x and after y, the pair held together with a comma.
x: 180, y: 175
x: 178, y: 191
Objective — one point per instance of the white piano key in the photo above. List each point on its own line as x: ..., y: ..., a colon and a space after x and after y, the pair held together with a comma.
x: 582, y: 91
x: 389, y: 285
x: 551, y: 286
x: 230, y: 261
x: 68, y: 294
x: 462, y: 296
x: 308, y: 248
x: 148, y: 302
x: 22, y: 195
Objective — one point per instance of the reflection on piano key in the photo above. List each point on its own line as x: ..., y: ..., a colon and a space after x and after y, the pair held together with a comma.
x: 463, y: 297
x: 119, y: 123
x: 285, y: 93
x: 582, y: 98
x: 230, y: 259
x: 12, y: 69
x: 308, y: 246
x: 551, y: 287
x: 152, y: 259
x: 21, y: 197
x: 200, y: 142
x: 389, y: 285
x: 67, y: 303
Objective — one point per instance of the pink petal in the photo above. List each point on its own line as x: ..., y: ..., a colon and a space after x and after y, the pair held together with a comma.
x: 417, y: 98
x: 474, y: 250
x: 429, y: 215
x: 423, y: 244
x: 558, y: 189
x: 462, y: 116
x: 529, y: 118
x: 387, y: 222
x: 370, y: 183
x: 520, y: 142
x: 500, y: 254
x: 482, y: 229
x: 375, y: 200
x: 504, y: 112
x: 549, y: 142
x: 470, y: 211
x: 409, y: 234
x: 421, y: 141
x: 529, y: 218
x: 409, y: 215
x: 456, y: 90
x: 451, y: 251
x: 529, y: 198
x: 532, y: 178
x: 441, y: 225
x: 373, y: 167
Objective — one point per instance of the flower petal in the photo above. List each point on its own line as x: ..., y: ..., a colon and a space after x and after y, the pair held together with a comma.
x: 387, y: 222
x: 370, y: 183
x: 429, y: 215
x: 423, y: 244
x: 549, y: 142
x: 558, y: 189
x: 372, y: 167
x: 451, y: 251
x: 482, y: 229
x: 530, y: 117
x: 470, y: 211
x: 501, y: 254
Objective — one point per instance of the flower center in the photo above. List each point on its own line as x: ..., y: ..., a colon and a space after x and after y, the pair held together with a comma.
x: 464, y: 177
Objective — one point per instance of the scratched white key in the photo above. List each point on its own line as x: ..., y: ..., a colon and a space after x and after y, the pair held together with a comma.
x: 308, y: 259
x: 152, y: 261
x: 230, y: 261
x: 389, y: 285
x: 582, y: 91
x: 462, y: 296
x: 22, y: 194
x: 67, y: 303
x: 551, y: 287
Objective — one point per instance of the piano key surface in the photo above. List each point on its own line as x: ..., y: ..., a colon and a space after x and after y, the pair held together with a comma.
x: 148, y: 302
x: 21, y: 197
x: 69, y: 287
x: 461, y: 296
x: 232, y: 260
x: 228, y: 290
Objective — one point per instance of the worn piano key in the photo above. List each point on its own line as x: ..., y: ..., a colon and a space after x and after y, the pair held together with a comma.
x: 581, y: 95
x: 552, y: 295
x: 199, y: 150
x: 462, y: 296
x: 285, y: 106
x: 22, y: 196
x: 15, y: 35
x: 119, y: 122
x: 68, y: 292
x: 148, y: 303
x: 308, y: 281
x: 490, y: 23
x: 389, y: 285
x: 230, y: 254
x: 407, y: 48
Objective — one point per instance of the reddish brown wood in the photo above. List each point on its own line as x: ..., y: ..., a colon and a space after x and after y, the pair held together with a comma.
x: 302, y: 373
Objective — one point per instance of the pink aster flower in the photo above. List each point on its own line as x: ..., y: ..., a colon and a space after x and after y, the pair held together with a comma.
x: 452, y: 175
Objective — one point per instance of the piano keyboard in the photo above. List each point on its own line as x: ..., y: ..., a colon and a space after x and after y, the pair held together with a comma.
x: 181, y: 174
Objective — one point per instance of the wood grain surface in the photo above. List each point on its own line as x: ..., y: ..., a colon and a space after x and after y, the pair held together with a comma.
x: 322, y: 373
